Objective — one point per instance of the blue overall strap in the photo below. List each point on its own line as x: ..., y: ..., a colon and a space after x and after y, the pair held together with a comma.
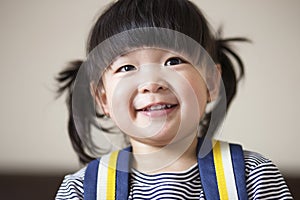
x: 122, y: 175
x: 222, y: 172
x: 238, y: 161
x: 108, y: 178
x: 90, y: 180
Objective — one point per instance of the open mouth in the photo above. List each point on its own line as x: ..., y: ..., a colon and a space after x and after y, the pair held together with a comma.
x: 158, y: 109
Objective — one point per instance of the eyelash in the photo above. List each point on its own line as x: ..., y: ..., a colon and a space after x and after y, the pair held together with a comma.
x: 127, y: 68
x: 178, y: 61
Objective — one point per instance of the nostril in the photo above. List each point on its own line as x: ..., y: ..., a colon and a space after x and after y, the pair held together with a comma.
x: 151, y: 87
x: 160, y: 88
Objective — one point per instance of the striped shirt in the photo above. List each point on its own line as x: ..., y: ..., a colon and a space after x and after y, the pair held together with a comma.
x: 263, y: 181
x: 176, y: 185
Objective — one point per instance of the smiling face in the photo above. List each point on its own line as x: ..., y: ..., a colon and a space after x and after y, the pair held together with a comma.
x: 154, y: 95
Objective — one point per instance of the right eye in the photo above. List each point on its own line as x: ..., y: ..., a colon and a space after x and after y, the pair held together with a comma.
x: 174, y: 61
x: 126, y: 68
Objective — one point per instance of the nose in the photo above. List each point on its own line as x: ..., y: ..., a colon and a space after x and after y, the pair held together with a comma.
x: 152, y: 87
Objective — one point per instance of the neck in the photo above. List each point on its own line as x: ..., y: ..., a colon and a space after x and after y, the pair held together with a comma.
x: 177, y: 156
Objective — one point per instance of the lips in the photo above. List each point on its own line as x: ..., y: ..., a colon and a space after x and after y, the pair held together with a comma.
x: 157, y: 109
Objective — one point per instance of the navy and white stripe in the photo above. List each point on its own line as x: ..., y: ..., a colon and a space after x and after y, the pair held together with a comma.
x: 179, y: 185
x: 263, y: 180
x: 72, y: 186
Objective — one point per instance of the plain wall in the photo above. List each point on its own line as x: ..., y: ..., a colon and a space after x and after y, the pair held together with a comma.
x: 38, y: 38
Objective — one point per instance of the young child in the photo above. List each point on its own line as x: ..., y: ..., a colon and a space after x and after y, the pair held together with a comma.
x: 156, y: 70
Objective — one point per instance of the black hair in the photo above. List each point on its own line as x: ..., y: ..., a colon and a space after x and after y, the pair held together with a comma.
x: 178, y: 15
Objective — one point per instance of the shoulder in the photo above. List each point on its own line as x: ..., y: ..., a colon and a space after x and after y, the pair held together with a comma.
x: 255, y: 160
x: 263, y: 179
x: 72, y: 186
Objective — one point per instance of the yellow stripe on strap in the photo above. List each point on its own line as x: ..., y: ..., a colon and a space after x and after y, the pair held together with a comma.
x: 111, y: 176
x: 220, y: 171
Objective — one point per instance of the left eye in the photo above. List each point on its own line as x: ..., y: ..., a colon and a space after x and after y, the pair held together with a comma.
x: 126, y: 68
x: 174, y: 61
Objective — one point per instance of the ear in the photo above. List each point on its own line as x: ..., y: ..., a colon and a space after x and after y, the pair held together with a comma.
x: 100, y: 98
x: 214, y: 84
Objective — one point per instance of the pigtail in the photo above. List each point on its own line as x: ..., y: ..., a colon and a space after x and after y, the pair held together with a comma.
x: 66, y: 79
x: 231, y: 73
x: 224, y: 53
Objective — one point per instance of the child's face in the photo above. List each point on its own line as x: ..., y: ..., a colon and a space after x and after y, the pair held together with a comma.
x: 154, y: 95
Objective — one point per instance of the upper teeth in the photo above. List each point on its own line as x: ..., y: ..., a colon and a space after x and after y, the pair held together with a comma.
x: 159, y: 107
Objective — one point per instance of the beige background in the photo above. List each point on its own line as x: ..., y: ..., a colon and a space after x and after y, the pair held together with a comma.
x: 38, y: 38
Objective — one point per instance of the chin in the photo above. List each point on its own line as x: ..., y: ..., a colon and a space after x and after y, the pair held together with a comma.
x: 163, y: 138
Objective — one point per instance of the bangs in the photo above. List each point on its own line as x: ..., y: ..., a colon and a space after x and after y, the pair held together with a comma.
x: 151, y: 37
x: 125, y: 15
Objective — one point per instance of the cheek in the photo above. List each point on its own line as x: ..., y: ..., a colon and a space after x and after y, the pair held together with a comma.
x: 109, y: 87
x: 202, y: 99
x: 199, y: 87
x: 119, y: 94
